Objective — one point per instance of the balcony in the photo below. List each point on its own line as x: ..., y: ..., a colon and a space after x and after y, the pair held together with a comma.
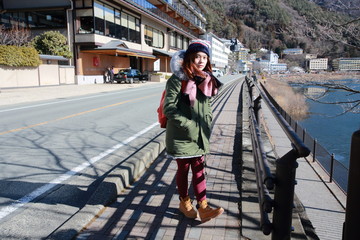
x: 170, y: 12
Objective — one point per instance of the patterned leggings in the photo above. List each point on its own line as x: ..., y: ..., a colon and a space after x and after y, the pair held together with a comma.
x: 198, y: 177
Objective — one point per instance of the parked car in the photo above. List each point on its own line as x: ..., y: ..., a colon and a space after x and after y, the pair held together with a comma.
x: 217, y: 72
x: 130, y: 76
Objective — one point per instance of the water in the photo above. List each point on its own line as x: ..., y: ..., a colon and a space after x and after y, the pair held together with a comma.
x: 331, y: 130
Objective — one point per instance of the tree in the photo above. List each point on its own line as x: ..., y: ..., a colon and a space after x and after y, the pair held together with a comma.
x: 333, y: 28
x: 347, y: 105
x: 16, y: 36
x: 52, y: 43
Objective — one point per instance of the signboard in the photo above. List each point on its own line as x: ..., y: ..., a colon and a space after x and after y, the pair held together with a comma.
x: 96, y: 61
x: 157, y: 65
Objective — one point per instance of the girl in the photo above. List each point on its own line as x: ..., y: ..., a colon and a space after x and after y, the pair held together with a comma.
x: 188, y: 110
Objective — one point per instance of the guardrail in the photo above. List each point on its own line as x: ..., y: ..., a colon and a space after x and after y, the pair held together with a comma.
x: 284, y: 178
x: 352, y: 216
x: 337, y: 171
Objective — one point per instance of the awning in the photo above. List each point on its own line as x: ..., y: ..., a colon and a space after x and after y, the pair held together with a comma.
x: 52, y: 57
x: 162, y: 53
x: 120, y: 51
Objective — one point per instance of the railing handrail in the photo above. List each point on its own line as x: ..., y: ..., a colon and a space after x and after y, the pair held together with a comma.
x: 299, y: 145
x: 284, y: 179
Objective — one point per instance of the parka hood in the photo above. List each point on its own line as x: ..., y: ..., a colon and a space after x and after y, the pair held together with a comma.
x: 176, y: 65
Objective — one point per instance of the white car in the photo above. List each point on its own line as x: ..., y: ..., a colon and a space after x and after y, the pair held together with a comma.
x: 217, y: 72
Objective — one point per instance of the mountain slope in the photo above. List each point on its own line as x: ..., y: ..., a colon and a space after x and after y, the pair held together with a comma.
x: 280, y: 24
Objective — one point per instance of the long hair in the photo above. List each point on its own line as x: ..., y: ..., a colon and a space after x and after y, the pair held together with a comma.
x: 190, y: 68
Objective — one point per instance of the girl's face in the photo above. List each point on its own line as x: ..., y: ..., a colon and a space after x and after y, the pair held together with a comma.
x: 200, y: 60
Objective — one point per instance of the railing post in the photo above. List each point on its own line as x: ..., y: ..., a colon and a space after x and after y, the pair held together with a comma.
x: 257, y: 107
x: 284, y: 195
x: 351, y: 226
x: 314, y: 150
x: 331, y: 167
x: 303, y: 135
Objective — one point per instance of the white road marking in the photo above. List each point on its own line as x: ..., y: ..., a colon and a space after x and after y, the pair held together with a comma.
x: 41, y: 190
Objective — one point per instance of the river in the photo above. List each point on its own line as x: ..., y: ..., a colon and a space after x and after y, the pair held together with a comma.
x: 326, y: 124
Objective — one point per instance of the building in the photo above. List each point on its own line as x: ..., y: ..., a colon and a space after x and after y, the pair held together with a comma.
x: 272, y: 57
x: 243, y: 54
x: 293, y: 51
x: 219, y: 51
x: 346, y: 64
x: 138, y: 34
x: 318, y: 64
x: 310, y: 56
x: 278, y: 68
x: 244, y: 66
x: 269, y: 64
x: 236, y: 45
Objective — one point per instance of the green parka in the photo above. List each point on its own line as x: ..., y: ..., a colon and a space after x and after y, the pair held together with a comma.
x: 188, y: 128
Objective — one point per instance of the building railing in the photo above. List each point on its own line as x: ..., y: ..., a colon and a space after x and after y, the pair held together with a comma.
x: 284, y: 178
x: 152, y: 9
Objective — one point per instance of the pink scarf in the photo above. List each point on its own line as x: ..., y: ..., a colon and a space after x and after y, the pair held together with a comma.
x: 207, y: 87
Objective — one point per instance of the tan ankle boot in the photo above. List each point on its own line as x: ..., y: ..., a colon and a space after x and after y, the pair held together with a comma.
x: 206, y: 213
x: 187, y: 208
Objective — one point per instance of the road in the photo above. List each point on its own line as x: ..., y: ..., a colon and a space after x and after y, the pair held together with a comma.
x: 54, y: 153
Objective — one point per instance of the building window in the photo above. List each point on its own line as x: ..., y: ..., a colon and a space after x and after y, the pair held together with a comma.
x: 130, y: 28
x: 117, y: 24
x: 99, y: 18
x: 35, y: 19
x: 85, y: 20
x: 172, y: 40
x: 154, y: 37
x: 179, y: 42
x: 108, y: 21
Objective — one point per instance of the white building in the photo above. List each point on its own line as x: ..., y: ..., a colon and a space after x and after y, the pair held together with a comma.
x: 318, y: 64
x: 293, y: 51
x: 278, y: 67
x: 243, y: 66
x: 270, y: 64
x: 346, y: 64
x: 219, y: 51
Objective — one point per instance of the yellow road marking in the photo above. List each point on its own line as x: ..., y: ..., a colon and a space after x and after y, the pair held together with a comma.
x: 74, y: 115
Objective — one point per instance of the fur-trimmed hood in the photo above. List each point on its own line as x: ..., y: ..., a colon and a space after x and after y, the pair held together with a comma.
x: 176, y: 68
x: 176, y: 65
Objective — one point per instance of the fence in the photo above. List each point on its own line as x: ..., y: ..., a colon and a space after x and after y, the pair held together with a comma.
x: 337, y: 171
x: 284, y: 178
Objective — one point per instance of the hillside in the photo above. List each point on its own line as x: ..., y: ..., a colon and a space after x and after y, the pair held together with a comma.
x: 280, y: 24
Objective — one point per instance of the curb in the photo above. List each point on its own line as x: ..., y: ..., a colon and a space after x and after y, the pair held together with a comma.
x: 113, y: 184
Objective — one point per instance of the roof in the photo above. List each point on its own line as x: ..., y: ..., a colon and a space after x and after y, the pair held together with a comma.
x: 117, y: 47
x: 52, y: 57
x: 162, y: 52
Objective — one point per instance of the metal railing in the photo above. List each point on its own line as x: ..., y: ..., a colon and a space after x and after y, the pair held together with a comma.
x: 284, y: 178
x: 336, y: 171
x: 352, y: 216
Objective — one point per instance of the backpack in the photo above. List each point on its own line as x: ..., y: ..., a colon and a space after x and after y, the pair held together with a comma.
x: 161, y: 116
